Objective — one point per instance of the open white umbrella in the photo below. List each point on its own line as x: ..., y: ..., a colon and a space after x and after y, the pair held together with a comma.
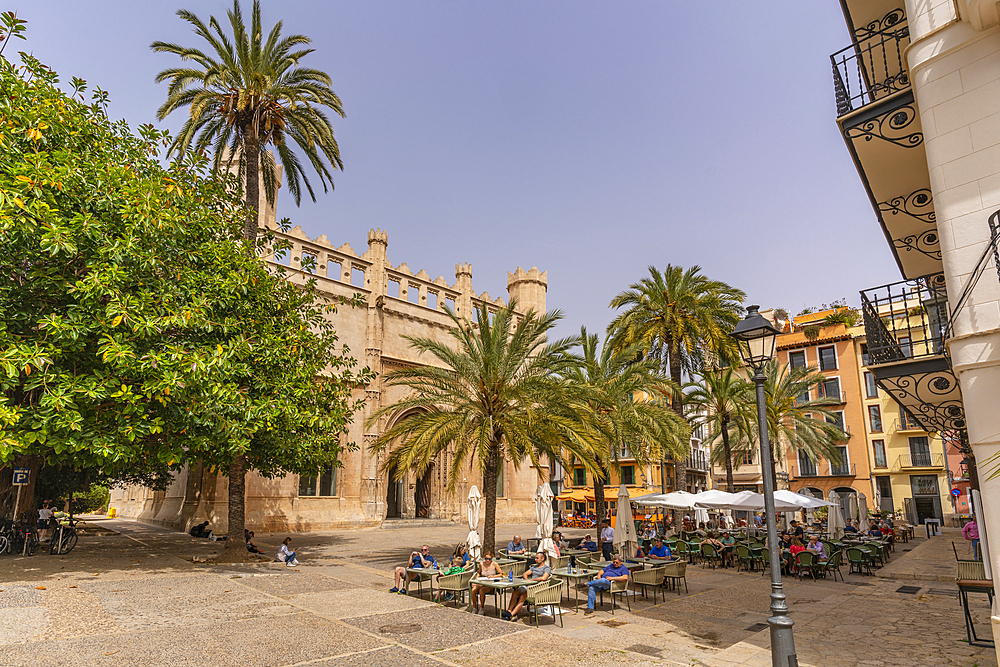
x: 799, y: 499
x: 746, y: 501
x: 543, y: 514
x: 626, y: 541
x: 680, y: 500
x: 834, y: 519
x: 472, y: 541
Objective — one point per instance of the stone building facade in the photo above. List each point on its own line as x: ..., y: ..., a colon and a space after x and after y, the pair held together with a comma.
x: 398, y: 303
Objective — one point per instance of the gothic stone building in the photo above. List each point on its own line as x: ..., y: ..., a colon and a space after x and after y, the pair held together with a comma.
x: 399, y: 303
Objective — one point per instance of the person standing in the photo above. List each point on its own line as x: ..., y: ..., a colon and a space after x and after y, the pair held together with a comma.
x: 970, y: 531
x: 607, y: 540
x: 45, y: 515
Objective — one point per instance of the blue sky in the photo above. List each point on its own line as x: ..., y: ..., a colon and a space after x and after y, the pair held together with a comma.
x: 588, y: 139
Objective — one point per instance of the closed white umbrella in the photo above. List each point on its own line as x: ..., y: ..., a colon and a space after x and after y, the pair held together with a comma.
x: 834, y: 519
x: 543, y: 514
x: 863, y: 512
x: 626, y: 541
x: 472, y: 541
x: 700, y: 517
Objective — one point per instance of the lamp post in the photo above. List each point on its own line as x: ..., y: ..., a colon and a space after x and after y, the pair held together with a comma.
x: 756, y: 339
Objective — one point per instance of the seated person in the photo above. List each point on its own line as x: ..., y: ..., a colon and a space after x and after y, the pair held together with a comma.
x: 659, y: 551
x: 251, y: 547
x: 816, y: 547
x: 462, y: 552
x: 418, y: 559
x: 874, y: 530
x: 488, y: 569
x: 201, y: 530
x: 456, y: 567
x: 538, y: 571
x: 786, y: 540
x: 515, y: 546
x: 589, y: 544
x: 285, y: 553
x: 602, y: 582
x: 728, y: 544
x: 793, y: 551
x: 850, y: 528
x: 887, y: 532
x: 559, y: 542
x: 640, y: 552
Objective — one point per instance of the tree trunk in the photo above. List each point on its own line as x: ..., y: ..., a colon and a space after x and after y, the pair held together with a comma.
x: 490, y: 494
x: 599, y: 503
x: 676, y: 402
x: 235, y: 551
x: 727, y: 449
x: 8, y: 492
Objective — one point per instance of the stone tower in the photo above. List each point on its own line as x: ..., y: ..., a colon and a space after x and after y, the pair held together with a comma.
x: 528, y: 289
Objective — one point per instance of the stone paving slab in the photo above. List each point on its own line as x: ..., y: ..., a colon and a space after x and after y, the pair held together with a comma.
x: 436, y: 627
x: 284, y: 640
x: 386, y: 657
x: 357, y: 602
x: 286, y: 584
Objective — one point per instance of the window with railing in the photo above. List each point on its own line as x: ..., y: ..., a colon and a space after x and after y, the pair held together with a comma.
x: 837, y: 419
x: 807, y: 467
x: 843, y: 468
x: 865, y: 357
x: 830, y: 388
x: 873, y: 67
x: 797, y: 359
x: 920, y: 451
x: 907, y: 422
x: 804, y: 397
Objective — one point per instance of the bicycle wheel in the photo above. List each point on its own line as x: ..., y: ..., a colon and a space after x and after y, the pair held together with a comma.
x: 68, y: 543
x: 54, y: 541
x: 4, y: 544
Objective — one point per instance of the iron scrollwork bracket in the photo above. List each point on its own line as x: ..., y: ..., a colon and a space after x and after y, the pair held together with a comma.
x: 891, y: 127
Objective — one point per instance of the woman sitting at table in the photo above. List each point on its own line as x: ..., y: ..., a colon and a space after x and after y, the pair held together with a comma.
x: 538, y: 571
x: 488, y: 569
x: 793, y: 551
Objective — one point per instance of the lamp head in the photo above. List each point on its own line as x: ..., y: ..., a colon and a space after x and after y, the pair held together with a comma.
x: 756, y: 338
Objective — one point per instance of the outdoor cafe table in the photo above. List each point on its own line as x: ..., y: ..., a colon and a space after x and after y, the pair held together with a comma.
x: 429, y: 572
x: 577, y: 575
x: 502, y: 586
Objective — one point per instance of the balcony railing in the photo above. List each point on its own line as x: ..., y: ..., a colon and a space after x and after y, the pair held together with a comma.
x: 907, y: 425
x: 824, y: 469
x: 843, y: 470
x: 697, y: 463
x: 912, y: 460
x: 906, y: 320
x: 873, y: 67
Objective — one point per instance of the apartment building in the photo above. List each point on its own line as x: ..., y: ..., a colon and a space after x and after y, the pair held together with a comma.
x: 918, y: 104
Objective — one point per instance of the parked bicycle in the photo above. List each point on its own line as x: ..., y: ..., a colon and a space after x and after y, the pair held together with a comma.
x: 63, y: 538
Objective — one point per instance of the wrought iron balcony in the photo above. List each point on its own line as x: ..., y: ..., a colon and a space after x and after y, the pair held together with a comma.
x: 873, y: 67
x: 919, y: 460
x: 697, y: 462
x: 809, y: 469
x: 906, y: 425
x: 843, y: 470
x: 906, y: 320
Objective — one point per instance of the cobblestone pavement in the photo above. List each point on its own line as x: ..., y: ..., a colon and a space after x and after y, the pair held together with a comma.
x: 142, y: 598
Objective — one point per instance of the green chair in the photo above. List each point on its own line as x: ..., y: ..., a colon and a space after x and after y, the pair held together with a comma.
x: 743, y: 557
x: 858, y: 559
x: 805, y: 561
x: 682, y: 550
x: 546, y: 594
x: 651, y: 577
x: 710, y: 554
x: 833, y: 564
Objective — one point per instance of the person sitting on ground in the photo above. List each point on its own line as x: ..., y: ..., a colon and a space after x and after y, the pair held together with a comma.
x: 602, y: 582
x: 850, y: 528
x: 285, y: 553
x: 589, y: 544
x: 515, y: 546
x: 418, y: 559
x: 201, y: 530
x: 251, y: 547
x: 539, y: 571
x: 659, y: 551
x: 816, y: 547
x: 488, y: 569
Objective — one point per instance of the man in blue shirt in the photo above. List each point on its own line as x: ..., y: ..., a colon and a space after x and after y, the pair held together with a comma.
x: 849, y: 528
x: 421, y: 559
x: 588, y: 544
x: 614, y: 572
x: 515, y: 547
x: 660, y: 551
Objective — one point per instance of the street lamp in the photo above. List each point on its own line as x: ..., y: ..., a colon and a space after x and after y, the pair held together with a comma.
x: 756, y: 338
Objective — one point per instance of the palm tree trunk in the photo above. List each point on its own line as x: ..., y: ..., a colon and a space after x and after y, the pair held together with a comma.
x: 676, y: 402
x: 600, y: 505
x: 729, y: 455
x: 235, y: 550
x: 490, y: 493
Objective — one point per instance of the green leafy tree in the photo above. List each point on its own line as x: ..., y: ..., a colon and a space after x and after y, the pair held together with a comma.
x: 681, y: 318
x: 795, y: 420
x: 628, y: 406
x: 247, y: 93
x: 131, y: 318
x: 724, y: 403
x: 493, y: 394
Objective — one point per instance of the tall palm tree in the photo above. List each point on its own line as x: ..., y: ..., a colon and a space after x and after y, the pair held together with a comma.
x: 627, y: 407
x: 494, y: 394
x: 724, y: 403
x: 247, y: 94
x: 681, y: 318
x: 794, y: 422
x: 244, y: 95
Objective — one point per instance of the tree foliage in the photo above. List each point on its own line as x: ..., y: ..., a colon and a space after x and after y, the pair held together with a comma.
x: 131, y: 315
x: 493, y: 395
x: 724, y: 403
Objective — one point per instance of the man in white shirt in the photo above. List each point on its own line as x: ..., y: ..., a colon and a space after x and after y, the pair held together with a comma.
x: 607, y: 540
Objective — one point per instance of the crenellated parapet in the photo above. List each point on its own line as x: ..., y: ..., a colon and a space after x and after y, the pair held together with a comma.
x: 528, y: 288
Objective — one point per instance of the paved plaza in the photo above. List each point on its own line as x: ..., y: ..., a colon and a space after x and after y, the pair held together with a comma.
x: 143, y: 596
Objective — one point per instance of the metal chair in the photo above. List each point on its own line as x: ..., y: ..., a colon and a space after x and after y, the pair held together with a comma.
x: 744, y: 557
x: 556, y: 562
x: 617, y: 588
x: 805, y: 561
x: 457, y: 583
x: 651, y: 577
x: 833, y: 564
x: 545, y: 593
x: 859, y: 559
x: 710, y: 554
x: 683, y: 550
